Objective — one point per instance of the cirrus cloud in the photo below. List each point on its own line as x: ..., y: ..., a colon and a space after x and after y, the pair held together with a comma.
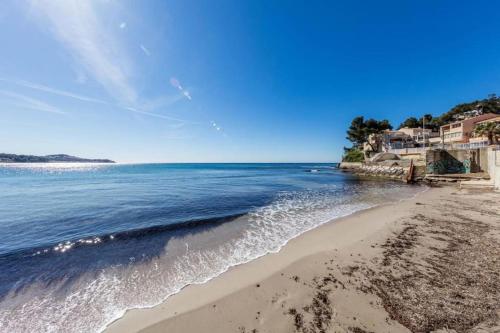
x: 77, y: 25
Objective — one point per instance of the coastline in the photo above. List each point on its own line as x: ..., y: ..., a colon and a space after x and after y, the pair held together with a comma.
x: 334, y: 235
x: 268, y: 293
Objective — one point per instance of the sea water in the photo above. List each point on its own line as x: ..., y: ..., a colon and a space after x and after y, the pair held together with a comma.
x: 83, y: 243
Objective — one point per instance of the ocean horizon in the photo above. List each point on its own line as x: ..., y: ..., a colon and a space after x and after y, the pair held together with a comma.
x: 83, y: 243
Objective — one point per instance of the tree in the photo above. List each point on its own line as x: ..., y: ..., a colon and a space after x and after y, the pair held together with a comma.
x: 356, y: 132
x: 410, y: 122
x: 353, y: 155
x: 428, y: 118
x: 430, y: 122
x: 434, y: 123
x: 360, y: 130
x: 487, y: 105
x: 489, y: 130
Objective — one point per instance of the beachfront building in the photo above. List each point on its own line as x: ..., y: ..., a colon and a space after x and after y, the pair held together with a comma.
x: 407, y: 137
x: 421, y: 136
x: 483, y: 140
x: 460, y: 132
x: 389, y: 141
x: 397, y: 140
x: 403, y: 139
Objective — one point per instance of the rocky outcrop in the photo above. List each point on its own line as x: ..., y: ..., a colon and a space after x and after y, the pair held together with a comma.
x: 350, y: 165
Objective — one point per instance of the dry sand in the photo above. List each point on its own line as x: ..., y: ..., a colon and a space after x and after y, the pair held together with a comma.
x: 425, y: 264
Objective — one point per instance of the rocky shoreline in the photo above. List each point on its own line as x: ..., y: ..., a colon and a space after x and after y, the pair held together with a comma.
x: 401, y: 170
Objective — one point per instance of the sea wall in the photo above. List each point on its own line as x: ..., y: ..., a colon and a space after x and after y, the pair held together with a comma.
x: 393, y: 172
x: 387, y: 171
x: 440, y: 161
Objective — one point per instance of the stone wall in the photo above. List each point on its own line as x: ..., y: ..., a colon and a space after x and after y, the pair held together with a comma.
x: 379, y: 170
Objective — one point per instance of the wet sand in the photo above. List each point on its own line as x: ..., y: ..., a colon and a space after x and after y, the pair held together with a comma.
x: 425, y: 264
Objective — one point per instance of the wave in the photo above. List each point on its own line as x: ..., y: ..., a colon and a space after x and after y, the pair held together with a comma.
x: 101, y: 239
x: 142, y: 272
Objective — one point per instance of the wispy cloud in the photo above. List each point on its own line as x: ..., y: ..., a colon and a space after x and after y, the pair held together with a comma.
x: 77, y: 26
x: 145, y: 50
x: 98, y: 54
x: 161, y: 102
x: 26, y: 102
x: 157, y: 115
x: 145, y: 108
x: 54, y: 91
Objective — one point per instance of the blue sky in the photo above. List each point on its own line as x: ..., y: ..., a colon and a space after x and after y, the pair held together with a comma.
x: 232, y: 81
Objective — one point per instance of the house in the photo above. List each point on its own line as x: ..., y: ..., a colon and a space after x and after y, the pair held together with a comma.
x: 461, y: 131
x: 387, y: 141
x: 483, y: 140
x: 397, y: 140
x: 421, y: 136
x: 469, y: 114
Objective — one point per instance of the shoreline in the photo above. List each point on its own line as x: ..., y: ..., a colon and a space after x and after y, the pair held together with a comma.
x: 241, y: 276
x: 424, y: 264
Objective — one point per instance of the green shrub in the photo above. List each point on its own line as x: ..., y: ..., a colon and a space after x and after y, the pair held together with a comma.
x: 353, y: 155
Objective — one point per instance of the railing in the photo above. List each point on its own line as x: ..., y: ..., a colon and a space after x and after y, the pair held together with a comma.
x: 448, y: 146
x: 406, y: 151
x: 469, y: 145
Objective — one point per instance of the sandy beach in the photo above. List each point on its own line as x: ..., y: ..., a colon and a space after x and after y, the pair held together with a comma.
x: 424, y: 264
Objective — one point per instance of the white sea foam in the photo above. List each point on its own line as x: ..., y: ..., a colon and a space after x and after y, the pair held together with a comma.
x: 98, y: 298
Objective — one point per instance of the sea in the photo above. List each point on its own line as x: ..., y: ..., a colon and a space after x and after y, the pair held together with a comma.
x: 83, y: 243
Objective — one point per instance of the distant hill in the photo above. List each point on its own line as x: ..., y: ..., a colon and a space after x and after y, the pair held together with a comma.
x: 13, y: 158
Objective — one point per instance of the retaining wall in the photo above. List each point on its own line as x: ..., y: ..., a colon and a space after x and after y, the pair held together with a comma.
x: 377, y: 170
x: 494, y: 166
x: 440, y: 161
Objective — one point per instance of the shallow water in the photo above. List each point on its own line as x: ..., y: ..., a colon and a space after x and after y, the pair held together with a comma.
x: 82, y: 243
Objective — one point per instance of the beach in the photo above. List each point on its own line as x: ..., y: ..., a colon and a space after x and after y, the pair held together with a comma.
x: 249, y: 166
x: 422, y: 264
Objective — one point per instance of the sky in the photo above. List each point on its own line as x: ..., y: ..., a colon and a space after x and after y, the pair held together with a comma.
x: 232, y: 81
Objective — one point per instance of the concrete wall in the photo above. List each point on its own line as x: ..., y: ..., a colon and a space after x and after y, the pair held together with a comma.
x: 483, y: 159
x: 440, y: 161
x: 411, y: 156
x: 494, y: 166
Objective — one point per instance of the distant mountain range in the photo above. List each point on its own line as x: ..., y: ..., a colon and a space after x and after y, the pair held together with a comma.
x: 13, y: 158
